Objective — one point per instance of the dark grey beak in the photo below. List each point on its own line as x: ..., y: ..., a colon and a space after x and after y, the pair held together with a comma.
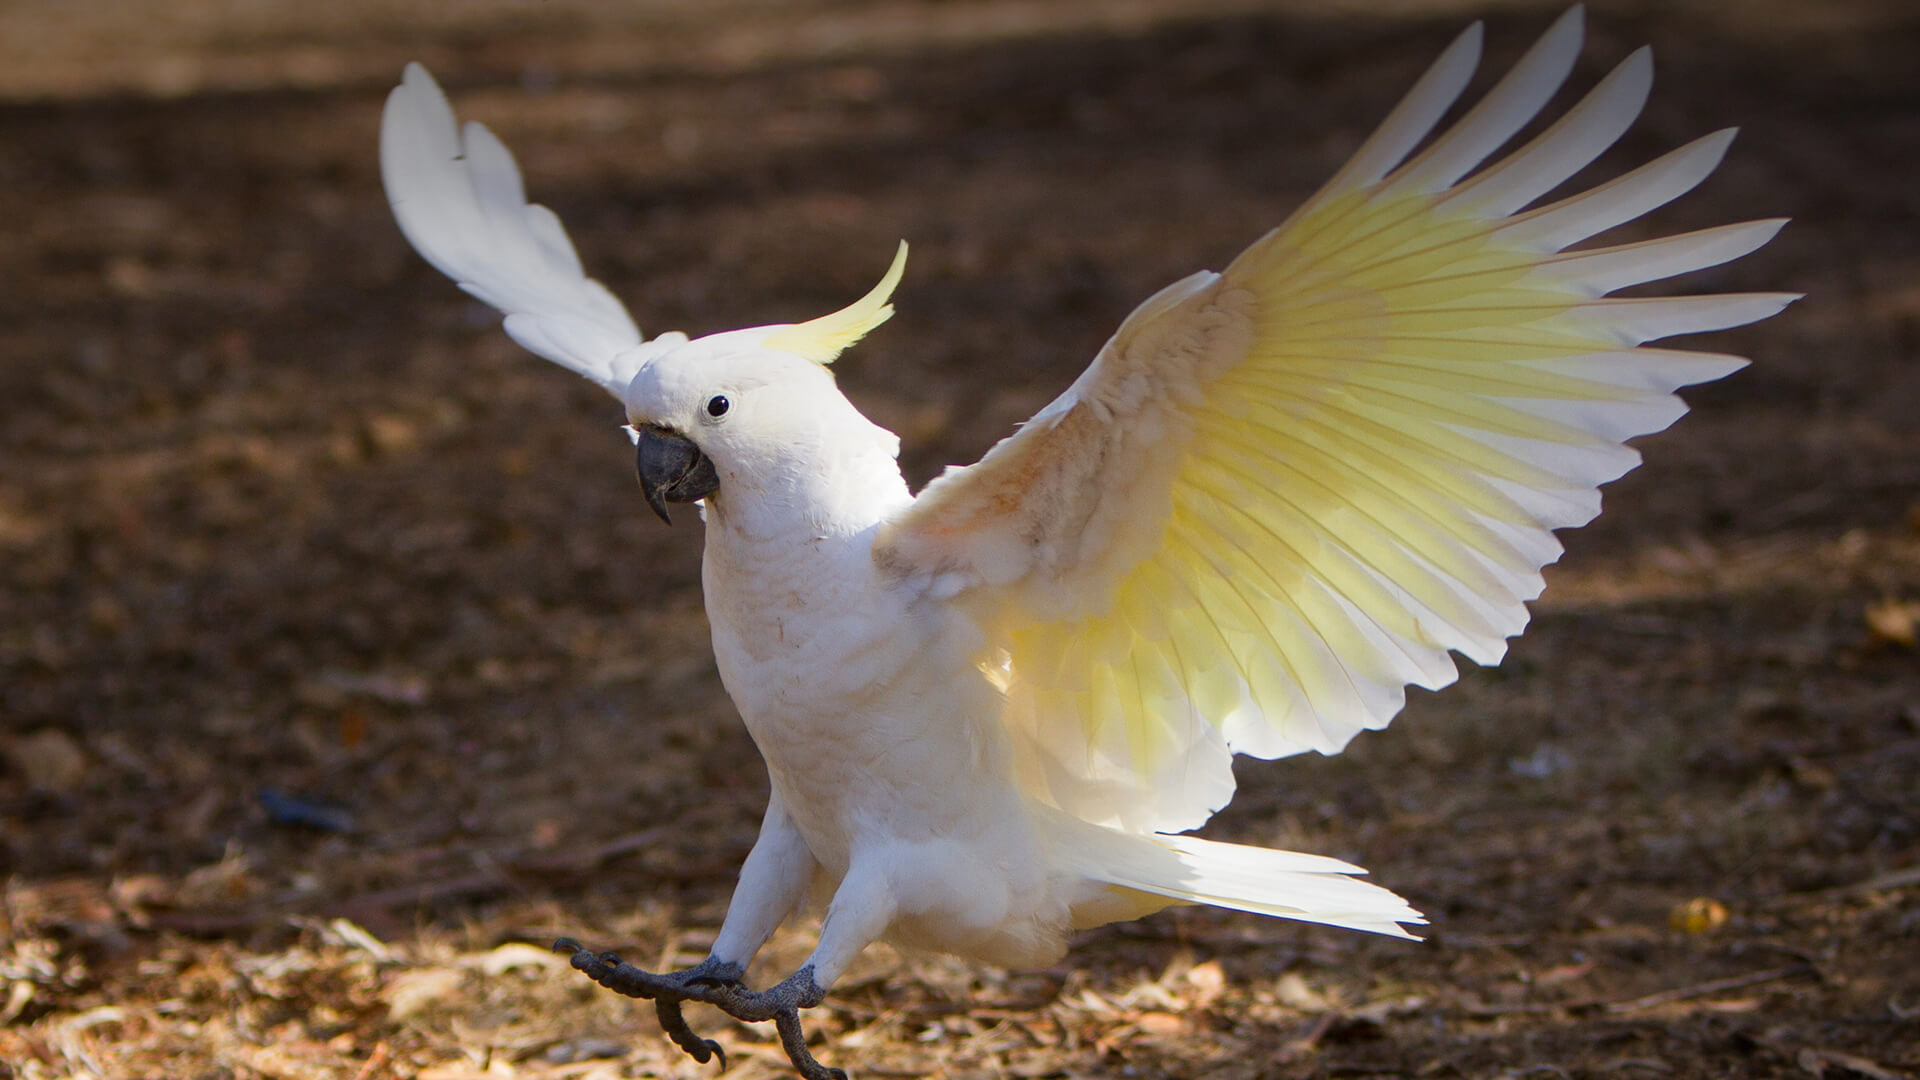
x: 673, y: 470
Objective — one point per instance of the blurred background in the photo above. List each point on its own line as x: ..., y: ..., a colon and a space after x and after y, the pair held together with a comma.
x: 342, y: 667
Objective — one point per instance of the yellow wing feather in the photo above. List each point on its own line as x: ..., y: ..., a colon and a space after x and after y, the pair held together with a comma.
x: 1283, y: 493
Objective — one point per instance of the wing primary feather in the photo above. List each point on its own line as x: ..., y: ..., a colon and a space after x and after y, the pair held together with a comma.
x: 1620, y: 200
x: 1549, y: 493
x: 1486, y: 621
x: 1645, y: 369
x: 1449, y: 452
x: 1309, y: 465
x: 1594, y: 272
x: 1597, y: 271
x: 1402, y: 548
x: 1411, y: 120
x: 1462, y: 410
x: 1632, y: 320
x: 1513, y: 101
x: 1578, y: 137
x: 1499, y: 379
x: 1361, y: 446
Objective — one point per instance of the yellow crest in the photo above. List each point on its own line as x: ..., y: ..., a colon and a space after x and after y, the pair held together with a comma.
x: 821, y: 340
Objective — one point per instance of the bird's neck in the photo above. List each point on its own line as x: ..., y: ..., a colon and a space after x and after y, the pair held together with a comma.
x: 830, y: 494
x: 784, y: 567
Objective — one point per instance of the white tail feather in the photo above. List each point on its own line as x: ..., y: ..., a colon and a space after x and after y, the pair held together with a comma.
x: 1283, y: 884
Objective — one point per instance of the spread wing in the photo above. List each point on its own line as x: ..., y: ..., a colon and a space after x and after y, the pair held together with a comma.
x: 1283, y: 492
x: 458, y: 198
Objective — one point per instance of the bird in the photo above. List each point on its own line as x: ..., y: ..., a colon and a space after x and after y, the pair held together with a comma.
x: 993, y: 711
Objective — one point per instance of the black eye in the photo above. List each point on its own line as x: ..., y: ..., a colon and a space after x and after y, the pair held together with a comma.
x: 717, y: 405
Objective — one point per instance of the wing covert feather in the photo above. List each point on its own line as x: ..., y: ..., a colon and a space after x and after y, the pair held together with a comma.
x: 1285, y: 492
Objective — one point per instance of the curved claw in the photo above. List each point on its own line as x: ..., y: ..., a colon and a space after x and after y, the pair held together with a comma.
x: 674, y: 1023
x: 793, y: 1039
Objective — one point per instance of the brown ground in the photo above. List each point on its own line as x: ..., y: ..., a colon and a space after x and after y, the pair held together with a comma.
x: 281, y: 512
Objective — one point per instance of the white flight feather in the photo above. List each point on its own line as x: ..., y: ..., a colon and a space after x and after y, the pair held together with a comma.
x: 1513, y: 101
x: 458, y: 198
x: 1582, y: 134
x: 1660, y: 181
x: 1361, y: 587
x: 1598, y: 271
x: 1411, y: 120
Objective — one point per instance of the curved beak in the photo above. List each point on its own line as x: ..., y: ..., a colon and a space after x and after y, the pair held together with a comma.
x: 673, y: 470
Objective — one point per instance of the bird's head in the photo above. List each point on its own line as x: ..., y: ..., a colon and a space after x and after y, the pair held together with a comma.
x: 752, y: 411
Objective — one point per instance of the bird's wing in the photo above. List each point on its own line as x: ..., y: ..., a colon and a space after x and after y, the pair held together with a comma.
x: 1284, y: 492
x: 457, y: 196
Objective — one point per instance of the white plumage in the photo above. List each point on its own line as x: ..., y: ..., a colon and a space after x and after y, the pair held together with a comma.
x: 1279, y: 495
x: 458, y: 198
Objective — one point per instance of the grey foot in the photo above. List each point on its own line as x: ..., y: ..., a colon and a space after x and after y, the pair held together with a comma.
x: 718, y: 985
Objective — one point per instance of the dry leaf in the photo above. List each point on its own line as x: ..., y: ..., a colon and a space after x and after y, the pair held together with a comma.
x: 515, y: 955
x: 229, y: 881
x: 1293, y: 992
x: 49, y: 759
x: 1209, y: 981
x: 1895, y: 622
x: 1160, y: 1023
x: 415, y: 992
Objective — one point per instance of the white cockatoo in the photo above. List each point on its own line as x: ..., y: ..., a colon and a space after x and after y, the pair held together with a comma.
x: 1281, y: 493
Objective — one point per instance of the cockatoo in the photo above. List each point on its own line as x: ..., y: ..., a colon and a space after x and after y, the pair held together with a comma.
x: 1280, y: 494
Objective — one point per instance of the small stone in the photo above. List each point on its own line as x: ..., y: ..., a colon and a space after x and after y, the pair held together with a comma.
x: 1700, y: 915
x: 1895, y: 622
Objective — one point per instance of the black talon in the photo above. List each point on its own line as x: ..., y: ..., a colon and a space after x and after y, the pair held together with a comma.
x: 793, y: 1039
x: 674, y: 1023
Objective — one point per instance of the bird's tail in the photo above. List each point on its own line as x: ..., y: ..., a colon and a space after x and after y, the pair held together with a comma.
x: 1285, y: 884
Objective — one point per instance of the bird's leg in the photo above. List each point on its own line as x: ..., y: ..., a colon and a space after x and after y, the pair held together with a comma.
x: 861, y: 910
x: 862, y: 907
x: 772, y: 883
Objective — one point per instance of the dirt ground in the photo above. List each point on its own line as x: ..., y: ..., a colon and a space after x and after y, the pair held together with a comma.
x: 342, y: 666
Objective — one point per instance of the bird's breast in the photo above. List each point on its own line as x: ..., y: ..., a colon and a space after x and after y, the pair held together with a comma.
x: 864, y: 701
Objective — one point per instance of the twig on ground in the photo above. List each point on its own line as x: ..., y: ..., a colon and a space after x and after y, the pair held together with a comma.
x: 1713, y: 986
x: 375, y: 1061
